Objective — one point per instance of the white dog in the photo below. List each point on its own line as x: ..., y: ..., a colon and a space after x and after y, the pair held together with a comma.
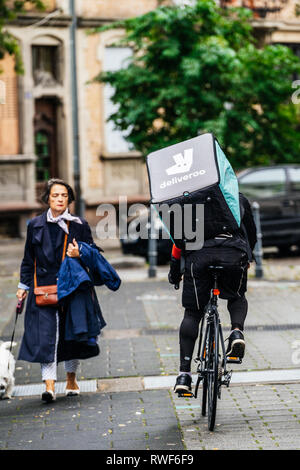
x: 7, y: 369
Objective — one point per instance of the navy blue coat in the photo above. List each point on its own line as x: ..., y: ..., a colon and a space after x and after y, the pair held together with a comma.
x: 38, y: 342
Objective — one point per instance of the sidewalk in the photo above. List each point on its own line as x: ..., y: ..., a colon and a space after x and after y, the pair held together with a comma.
x: 122, y: 408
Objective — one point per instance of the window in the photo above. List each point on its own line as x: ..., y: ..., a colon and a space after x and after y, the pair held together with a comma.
x: 9, y: 107
x: 43, y: 153
x: 2, y: 92
x: 114, y: 59
x: 263, y: 183
x: 45, y: 61
x: 294, y: 174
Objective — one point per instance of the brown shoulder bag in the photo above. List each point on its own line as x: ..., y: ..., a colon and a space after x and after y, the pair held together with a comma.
x: 47, y: 295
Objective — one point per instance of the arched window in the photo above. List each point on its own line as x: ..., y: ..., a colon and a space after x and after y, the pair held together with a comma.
x: 47, y: 61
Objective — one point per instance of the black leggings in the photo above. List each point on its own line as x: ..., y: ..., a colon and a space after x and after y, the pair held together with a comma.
x: 189, y: 328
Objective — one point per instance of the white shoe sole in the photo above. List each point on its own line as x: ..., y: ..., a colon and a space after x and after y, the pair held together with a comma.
x: 237, y: 348
x: 184, y: 388
x: 71, y: 393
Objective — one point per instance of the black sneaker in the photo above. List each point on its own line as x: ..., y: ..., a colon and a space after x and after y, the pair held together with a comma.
x: 183, y: 383
x: 236, y: 344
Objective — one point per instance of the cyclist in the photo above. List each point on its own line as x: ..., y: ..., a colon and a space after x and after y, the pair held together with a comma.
x: 234, y: 252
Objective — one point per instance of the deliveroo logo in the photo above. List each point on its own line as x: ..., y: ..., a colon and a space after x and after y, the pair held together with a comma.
x: 183, y: 163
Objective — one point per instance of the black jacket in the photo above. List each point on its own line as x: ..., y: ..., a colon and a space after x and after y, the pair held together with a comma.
x: 236, y: 248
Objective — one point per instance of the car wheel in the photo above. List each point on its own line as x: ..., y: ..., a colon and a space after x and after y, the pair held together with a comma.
x: 284, y: 250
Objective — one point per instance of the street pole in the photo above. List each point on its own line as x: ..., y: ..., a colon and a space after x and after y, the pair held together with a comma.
x: 79, y: 203
x: 152, y: 244
x: 258, y: 251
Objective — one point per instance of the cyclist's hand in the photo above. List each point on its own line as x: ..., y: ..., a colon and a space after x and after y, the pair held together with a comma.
x: 174, y: 275
x: 248, y: 265
x: 174, y: 280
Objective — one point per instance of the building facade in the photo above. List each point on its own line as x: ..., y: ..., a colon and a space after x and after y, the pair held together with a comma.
x: 37, y: 112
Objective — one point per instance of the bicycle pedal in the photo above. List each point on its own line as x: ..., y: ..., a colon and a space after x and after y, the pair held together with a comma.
x: 185, y: 394
x: 233, y: 360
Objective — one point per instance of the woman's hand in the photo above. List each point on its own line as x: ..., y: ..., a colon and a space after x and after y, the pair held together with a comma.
x: 73, y: 249
x: 21, y: 294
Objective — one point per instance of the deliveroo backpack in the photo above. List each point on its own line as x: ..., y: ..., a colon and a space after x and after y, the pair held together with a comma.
x: 197, y: 171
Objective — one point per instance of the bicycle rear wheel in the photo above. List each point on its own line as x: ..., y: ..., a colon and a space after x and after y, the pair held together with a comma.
x: 212, y: 375
x: 204, y: 396
x: 204, y: 377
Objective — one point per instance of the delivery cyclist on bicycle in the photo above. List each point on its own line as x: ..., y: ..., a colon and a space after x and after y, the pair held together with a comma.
x: 233, y: 251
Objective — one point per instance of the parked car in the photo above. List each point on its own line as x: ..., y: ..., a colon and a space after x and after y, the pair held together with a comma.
x: 275, y: 188
x: 139, y: 246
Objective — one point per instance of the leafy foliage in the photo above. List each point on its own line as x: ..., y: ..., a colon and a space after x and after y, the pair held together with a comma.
x: 8, y: 44
x: 197, y: 69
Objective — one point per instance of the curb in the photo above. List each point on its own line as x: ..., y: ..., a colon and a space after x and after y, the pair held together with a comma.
x: 138, y: 384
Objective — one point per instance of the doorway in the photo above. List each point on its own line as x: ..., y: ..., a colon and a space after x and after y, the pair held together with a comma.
x: 45, y: 141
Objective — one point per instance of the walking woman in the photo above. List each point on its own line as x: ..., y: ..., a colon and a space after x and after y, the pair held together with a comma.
x: 50, y: 237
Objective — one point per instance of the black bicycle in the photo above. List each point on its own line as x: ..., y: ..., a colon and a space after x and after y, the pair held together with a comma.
x: 211, y: 357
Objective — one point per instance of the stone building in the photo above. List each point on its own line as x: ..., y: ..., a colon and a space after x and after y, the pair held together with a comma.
x: 275, y: 21
x: 36, y: 112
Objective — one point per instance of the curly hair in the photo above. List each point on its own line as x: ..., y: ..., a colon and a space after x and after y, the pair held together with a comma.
x: 52, y: 182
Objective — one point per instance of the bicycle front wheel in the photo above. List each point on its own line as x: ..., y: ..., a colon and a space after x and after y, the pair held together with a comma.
x: 212, y: 375
x: 204, y: 396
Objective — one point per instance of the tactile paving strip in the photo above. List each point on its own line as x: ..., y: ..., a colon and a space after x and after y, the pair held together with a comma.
x: 37, y: 389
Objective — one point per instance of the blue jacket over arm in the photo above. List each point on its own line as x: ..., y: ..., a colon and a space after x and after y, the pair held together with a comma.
x: 76, y: 279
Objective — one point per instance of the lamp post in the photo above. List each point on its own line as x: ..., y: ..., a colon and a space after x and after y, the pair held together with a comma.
x: 258, y: 252
x: 79, y: 203
x: 152, y: 243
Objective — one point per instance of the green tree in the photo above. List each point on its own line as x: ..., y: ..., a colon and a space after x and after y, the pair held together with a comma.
x: 197, y: 69
x: 8, y: 44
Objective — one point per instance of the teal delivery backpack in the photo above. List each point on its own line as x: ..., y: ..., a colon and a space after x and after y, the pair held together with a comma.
x: 193, y: 172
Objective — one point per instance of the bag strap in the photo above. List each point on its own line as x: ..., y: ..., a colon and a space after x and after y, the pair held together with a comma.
x: 65, y: 244
x: 63, y: 256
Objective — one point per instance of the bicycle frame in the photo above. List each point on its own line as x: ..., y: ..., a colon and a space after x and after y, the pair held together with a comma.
x: 212, y: 322
x: 211, y: 356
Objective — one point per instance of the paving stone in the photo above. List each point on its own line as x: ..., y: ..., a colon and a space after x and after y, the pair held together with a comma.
x: 149, y: 314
